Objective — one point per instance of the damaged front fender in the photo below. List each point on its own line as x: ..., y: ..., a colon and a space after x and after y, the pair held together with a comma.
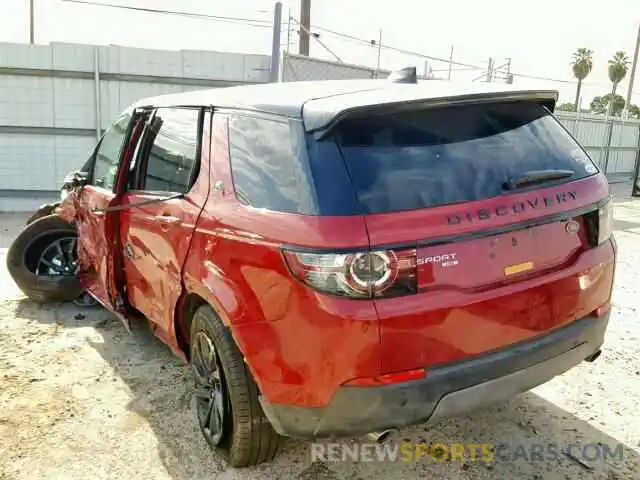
x: 65, y: 207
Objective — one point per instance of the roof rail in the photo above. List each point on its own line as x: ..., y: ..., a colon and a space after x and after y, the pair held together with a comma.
x: 404, y: 75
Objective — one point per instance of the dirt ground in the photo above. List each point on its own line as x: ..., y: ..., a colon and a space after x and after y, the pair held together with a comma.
x: 81, y: 398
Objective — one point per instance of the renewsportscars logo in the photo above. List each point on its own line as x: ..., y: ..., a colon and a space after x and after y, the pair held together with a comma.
x: 537, y: 203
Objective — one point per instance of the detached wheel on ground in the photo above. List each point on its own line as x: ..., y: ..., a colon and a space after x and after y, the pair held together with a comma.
x: 229, y: 414
x: 43, y: 260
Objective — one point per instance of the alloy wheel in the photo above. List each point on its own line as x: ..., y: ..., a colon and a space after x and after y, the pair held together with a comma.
x: 59, y: 258
x: 211, y: 393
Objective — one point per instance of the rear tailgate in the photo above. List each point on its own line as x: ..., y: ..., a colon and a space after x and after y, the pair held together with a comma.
x: 497, y: 262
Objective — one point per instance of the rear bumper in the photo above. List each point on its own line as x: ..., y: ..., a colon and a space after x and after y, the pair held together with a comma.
x: 448, y: 390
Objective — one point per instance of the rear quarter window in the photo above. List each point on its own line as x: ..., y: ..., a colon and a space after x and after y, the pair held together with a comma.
x: 441, y: 156
x: 267, y: 164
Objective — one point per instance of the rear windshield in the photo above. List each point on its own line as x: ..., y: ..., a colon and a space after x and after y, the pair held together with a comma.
x: 434, y: 157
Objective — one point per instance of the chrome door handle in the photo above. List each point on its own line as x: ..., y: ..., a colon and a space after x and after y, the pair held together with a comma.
x: 167, y: 220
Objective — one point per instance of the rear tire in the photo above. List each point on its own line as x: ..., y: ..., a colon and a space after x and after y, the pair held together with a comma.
x: 24, y: 254
x: 247, y: 437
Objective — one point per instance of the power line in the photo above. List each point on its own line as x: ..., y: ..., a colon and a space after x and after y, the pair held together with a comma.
x: 446, y: 60
x: 395, y: 49
x: 219, y: 18
x: 311, y: 35
x: 267, y: 24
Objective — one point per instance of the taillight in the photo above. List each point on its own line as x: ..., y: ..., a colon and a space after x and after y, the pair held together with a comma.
x: 605, y: 222
x: 599, y: 224
x: 379, y: 273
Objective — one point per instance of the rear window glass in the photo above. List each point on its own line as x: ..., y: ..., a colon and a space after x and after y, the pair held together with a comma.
x: 434, y: 157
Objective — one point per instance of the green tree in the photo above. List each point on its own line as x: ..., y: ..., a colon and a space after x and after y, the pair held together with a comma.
x: 581, y: 64
x: 634, y: 111
x: 601, y: 104
x: 618, y: 68
x: 566, y: 107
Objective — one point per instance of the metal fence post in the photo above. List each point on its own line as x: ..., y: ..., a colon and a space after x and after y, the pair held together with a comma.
x: 96, y: 79
x: 607, y: 145
x: 635, y: 191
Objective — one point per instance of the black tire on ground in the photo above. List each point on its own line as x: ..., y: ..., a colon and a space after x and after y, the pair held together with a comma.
x: 250, y: 439
x: 24, y: 252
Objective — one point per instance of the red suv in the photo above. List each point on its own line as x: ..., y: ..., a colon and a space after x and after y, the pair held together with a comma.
x: 339, y: 257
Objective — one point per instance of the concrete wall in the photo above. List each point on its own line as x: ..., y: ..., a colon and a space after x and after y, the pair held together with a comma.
x: 55, y: 99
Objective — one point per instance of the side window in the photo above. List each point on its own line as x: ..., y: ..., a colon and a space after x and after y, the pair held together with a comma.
x: 264, y: 163
x: 173, y: 152
x: 108, y: 153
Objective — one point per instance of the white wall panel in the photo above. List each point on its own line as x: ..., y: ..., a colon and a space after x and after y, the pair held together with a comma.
x: 131, y: 92
x: 28, y: 162
x: 26, y: 101
x: 70, y: 153
x: 72, y: 57
x: 40, y: 162
x: 74, y: 104
x: 54, y: 88
x: 141, y: 61
x: 21, y: 55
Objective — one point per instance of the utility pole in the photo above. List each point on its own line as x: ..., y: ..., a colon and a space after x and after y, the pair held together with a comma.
x: 274, y: 72
x: 31, y: 23
x: 379, y: 54
x: 305, y: 26
x: 509, y: 76
x: 632, y: 77
x: 289, y: 32
x: 490, y: 70
x: 450, y: 63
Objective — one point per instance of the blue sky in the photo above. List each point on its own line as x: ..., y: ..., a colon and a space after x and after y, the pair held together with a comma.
x: 539, y: 39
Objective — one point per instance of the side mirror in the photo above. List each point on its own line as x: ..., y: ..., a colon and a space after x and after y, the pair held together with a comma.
x: 73, y: 180
x: 77, y: 178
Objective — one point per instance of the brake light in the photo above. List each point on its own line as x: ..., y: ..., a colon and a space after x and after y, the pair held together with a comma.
x: 605, y: 222
x: 380, y: 273
x: 599, y: 224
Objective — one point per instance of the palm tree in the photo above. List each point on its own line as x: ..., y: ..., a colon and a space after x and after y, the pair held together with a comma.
x: 618, y: 68
x: 581, y: 64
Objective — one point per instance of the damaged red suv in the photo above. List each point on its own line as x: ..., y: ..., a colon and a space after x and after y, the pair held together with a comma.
x: 339, y: 257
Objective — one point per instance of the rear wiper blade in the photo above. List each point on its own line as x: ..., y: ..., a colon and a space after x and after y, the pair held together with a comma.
x: 536, y: 177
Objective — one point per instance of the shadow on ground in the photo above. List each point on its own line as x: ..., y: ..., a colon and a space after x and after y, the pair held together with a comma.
x: 161, y: 389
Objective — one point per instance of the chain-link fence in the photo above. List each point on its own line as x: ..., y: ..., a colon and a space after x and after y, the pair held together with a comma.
x: 613, y: 143
x: 299, y: 68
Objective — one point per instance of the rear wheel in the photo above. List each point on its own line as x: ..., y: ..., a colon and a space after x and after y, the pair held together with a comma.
x: 229, y: 413
x: 43, y: 260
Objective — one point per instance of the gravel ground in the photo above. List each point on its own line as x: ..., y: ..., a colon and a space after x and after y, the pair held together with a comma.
x: 82, y: 398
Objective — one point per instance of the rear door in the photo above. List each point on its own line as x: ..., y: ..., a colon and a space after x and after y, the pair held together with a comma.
x: 161, y: 209
x: 483, y: 193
